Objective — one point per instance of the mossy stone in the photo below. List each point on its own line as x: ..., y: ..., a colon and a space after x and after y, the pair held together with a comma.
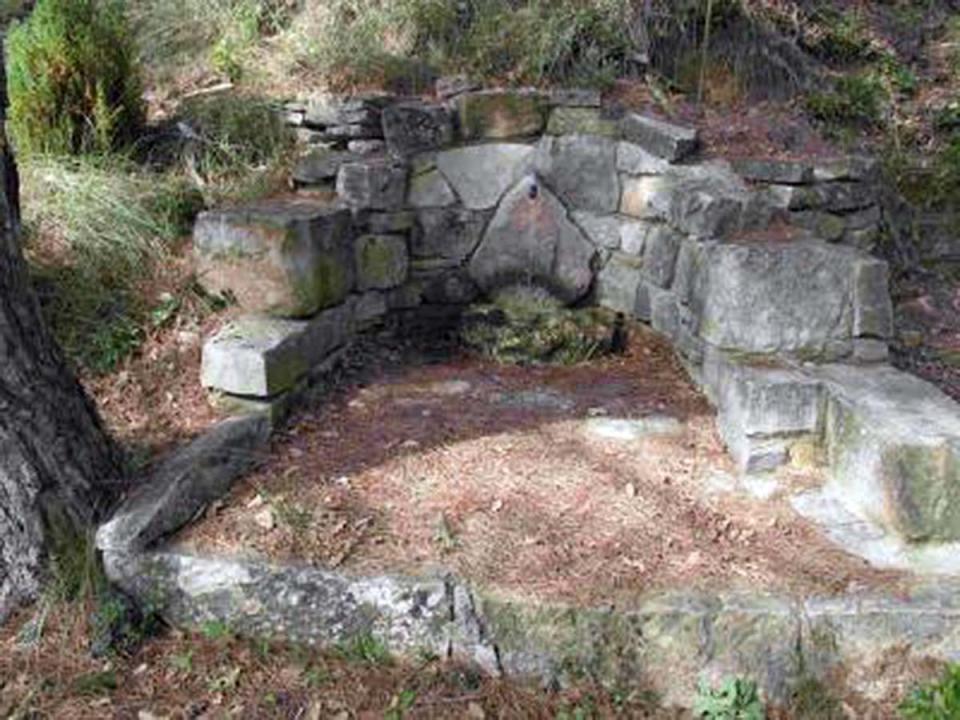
x: 501, y: 114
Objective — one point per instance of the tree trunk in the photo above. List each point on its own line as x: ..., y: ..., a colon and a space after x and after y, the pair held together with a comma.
x: 57, y: 464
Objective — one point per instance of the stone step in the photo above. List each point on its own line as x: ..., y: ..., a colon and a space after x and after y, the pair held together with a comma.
x: 662, y: 139
x: 893, y: 446
x: 261, y: 357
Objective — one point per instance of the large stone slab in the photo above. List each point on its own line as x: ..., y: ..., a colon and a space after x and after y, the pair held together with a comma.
x: 320, y: 166
x: 581, y: 169
x: 262, y: 357
x: 284, y: 258
x: 662, y: 139
x: 632, y: 159
x: 619, y: 282
x: 795, y: 298
x: 430, y: 190
x: 501, y: 114
x: 531, y: 240
x: 603, y: 230
x: 785, y: 172
x: 660, y: 249
x: 452, y: 234
x: 382, y: 261
x: 414, y: 127
x: 581, y: 121
x: 481, y: 174
x: 328, y: 109
x: 893, y: 445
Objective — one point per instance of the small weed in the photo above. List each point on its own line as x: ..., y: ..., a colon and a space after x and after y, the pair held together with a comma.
x: 365, y: 649
x: 936, y: 700
x: 400, y: 704
x: 226, y: 681
x: 182, y: 662
x: 96, y: 683
x: 855, y: 99
x: 735, y: 699
x: 216, y: 630
x: 316, y: 677
x: 585, y: 709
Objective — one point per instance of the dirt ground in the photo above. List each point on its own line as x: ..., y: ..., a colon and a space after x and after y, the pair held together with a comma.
x: 505, y: 475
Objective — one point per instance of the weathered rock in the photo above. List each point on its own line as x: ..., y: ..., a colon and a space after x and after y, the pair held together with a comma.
x: 832, y: 197
x: 452, y: 287
x: 261, y: 357
x: 366, y: 147
x: 319, y: 165
x: 430, y: 190
x: 373, y: 184
x: 382, y: 261
x: 822, y: 225
x: 893, y: 442
x: 575, y: 98
x: 855, y: 169
x: 581, y: 170
x: 602, y: 230
x: 618, y: 283
x: 581, y: 121
x: 660, y: 255
x: 662, y: 139
x: 775, y: 171
x: 451, y: 234
x: 481, y: 174
x: 633, y: 236
x: 415, y: 127
x: 794, y: 298
x: 328, y: 109
x: 388, y: 223
x: 183, y: 483
x: 634, y: 160
x: 501, y: 114
x: 872, y: 304
x: 762, y: 409
x: 664, y: 313
x: 531, y: 239
x: 369, y: 309
x: 288, y: 259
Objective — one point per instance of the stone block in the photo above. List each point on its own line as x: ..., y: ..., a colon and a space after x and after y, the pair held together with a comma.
x: 328, y: 109
x: 581, y: 169
x: 634, y: 160
x: 481, y: 174
x: 660, y: 255
x: 664, y: 313
x: 373, y: 184
x: 450, y: 233
x: 382, y: 261
x: 581, y: 121
x: 387, y: 223
x: 415, y: 127
x: 822, y: 225
x: 602, y: 230
x: 451, y: 287
x: 633, y: 236
x: 284, y: 258
x: 775, y: 171
x: 369, y: 309
x: 531, y: 239
x: 449, y: 86
x: 430, y: 190
x: 851, y: 169
x: 501, y: 114
x: 618, y: 283
x: 662, y: 139
x: 872, y: 304
x: 319, y: 166
x: 575, y: 98
x: 262, y: 357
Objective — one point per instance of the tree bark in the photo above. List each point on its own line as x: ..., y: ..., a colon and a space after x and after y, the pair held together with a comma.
x: 57, y: 464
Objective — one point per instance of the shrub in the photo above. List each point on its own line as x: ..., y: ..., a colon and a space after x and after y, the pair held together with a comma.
x: 855, y: 99
x: 937, y: 700
x: 73, y: 78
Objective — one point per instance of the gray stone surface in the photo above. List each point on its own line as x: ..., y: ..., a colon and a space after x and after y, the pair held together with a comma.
x: 775, y: 171
x: 633, y: 235
x: 400, y: 221
x: 632, y: 159
x: 184, y: 483
x: 382, y: 261
x: 794, y: 298
x: 662, y: 139
x: 261, y: 357
x: 450, y: 287
x: 602, y: 230
x: 661, y: 246
x: 581, y: 121
x: 285, y: 258
x: 449, y: 86
x: 575, y: 98
x: 531, y: 239
x: 366, y: 147
x: 872, y: 304
x: 664, y: 313
x: 618, y: 283
x: 320, y: 166
x: 581, y: 170
x: 414, y: 127
x: 451, y: 233
x: 430, y: 190
x: 893, y: 443
x: 328, y: 109
x: 373, y: 184
x: 481, y: 174
x: 855, y: 169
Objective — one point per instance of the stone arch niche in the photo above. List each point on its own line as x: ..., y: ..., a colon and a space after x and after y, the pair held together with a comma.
x: 758, y: 271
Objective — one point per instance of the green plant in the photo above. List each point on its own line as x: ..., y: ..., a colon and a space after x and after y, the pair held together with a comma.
x: 735, y: 699
x: 96, y: 683
x: 365, y: 649
x: 936, y: 700
x: 215, y: 630
x: 400, y: 705
x: 73, y: 79
x: 855, y: 99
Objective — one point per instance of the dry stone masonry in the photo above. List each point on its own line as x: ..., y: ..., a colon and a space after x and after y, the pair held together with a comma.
x: 759, y: 271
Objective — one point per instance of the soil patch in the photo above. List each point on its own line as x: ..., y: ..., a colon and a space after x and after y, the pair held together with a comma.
x: 593, y: 484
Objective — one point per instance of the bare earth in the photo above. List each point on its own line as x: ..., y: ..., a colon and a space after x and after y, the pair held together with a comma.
x: 494, y: 473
